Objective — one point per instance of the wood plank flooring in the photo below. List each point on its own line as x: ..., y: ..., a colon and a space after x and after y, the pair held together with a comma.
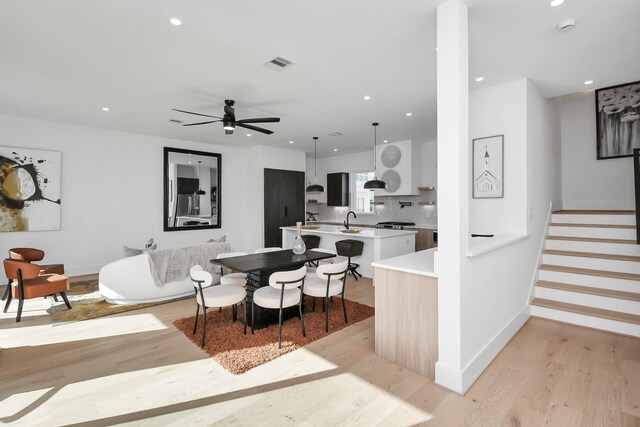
x: 135, y: 368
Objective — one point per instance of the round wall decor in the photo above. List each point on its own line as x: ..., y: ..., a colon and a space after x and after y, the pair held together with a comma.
x: 390, y: 156
x: 392, y: 178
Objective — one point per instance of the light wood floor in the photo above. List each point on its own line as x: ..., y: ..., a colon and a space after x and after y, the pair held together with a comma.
x: 137, y: 369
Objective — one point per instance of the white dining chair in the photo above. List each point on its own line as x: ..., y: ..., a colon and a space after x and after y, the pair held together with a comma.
x: 311, y: 268
x: 208, y: 296
x: 284, y: 290
x: 327, y: 281
x: 238, y: 279
x: 265, y: 250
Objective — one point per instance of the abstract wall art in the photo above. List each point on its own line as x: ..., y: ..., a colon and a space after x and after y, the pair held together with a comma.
x: 488, y: 167
x: 29, y: 189
x: 618, y: 120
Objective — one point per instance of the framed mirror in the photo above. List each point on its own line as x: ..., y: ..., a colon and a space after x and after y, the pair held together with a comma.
x: 191, y: 189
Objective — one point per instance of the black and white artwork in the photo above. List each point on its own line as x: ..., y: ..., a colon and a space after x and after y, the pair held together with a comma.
x: 618, y: 120
x: 29, y: 189
x: 488, y: 167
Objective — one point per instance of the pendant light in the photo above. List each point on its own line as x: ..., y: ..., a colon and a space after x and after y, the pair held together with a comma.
x: 200, y: 191
x: 375, y: 183
x: 315, y: 188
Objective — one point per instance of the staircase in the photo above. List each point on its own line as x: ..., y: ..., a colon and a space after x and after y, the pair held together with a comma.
x: 590, y: 272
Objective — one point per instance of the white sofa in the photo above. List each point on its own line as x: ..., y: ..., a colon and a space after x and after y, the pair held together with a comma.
x: 131, y: 281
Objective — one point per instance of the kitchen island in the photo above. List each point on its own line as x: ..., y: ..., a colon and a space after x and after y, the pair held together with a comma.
x: 377, y: 243
x: 406, y: 321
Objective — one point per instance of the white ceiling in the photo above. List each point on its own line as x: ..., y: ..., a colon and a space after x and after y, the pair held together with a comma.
x: 64, y: 60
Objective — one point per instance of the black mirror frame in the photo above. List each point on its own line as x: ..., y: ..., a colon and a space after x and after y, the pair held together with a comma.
x: 165, y: 207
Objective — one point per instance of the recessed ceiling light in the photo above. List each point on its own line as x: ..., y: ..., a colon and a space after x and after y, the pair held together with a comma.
x: 409, y: 114
x: 290, y: 142
x: 385, y: 141
x: 335, y: 149
x: 479, y: 79
x: 367, y: 97
x: 105, y: 108
x: 248, y: 134
x: 555, y: 3
x: 589, y: 82
x: 175, y: 21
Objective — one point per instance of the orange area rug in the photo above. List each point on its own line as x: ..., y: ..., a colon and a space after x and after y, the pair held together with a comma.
x: 238, y: 353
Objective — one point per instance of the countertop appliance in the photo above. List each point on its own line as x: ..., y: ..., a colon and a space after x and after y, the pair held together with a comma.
x: 395, y: 225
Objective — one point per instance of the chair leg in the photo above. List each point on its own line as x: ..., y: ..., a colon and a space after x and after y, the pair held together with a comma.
x: 253, y: 316
x: 245, y: 316
x: 20, y: 301
x: 195, y: 324
x: 66, y: 300
x: 324, y: 303
x: 55, y: 297
x: 7, y: 291
x: 326, y: 315
x: 204, y: 323
x: 6, y: 305
x: 234, y: 311
x: 314, y: 303
x: 344, y: 308
x: 304, y: 333
x: 280, y: 329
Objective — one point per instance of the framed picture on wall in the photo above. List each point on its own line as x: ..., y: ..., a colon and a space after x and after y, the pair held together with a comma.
x: 618, y: 120
x: 488, y: 167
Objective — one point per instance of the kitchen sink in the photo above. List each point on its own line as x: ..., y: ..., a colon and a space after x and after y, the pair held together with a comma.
x: 350, y: 231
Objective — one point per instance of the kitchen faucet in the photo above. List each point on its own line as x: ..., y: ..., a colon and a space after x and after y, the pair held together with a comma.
x: 346, y: 223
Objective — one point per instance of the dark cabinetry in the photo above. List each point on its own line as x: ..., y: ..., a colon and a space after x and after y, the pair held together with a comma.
x: 338, y: 189
x: 283, y: 203
x: 424, y: 238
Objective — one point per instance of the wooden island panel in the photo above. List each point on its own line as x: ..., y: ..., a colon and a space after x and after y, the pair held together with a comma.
x: 406, y: 320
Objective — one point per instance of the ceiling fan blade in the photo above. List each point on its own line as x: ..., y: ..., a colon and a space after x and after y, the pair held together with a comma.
x: 257, y: 129
x: 260, y: 120
x: 230, y: 112
x: 202, y: 123
x: 197, y: 114
x: 228, y: 132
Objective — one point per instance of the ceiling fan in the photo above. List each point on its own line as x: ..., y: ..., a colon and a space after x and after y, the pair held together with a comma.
x: 229, y: 121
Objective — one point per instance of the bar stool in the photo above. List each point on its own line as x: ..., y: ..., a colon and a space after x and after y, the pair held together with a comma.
x: 311, y: 241
x: 350, y: 248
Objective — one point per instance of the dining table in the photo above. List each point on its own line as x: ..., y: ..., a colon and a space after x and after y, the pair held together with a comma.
x: 259, y: 267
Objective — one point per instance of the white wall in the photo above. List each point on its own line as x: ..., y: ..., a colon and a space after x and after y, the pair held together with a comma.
x: 112, y: 192
x: 501, y: 110
x: 588, y: 183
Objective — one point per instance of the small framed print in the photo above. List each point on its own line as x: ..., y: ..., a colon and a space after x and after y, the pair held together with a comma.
x: 488, y: 167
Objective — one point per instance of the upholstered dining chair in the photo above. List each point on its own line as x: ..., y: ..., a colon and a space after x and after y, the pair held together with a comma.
x: 239, y: 279
x: 314, y: 264
x: 26, y: 282
x: 32, y: 255
x: 265, y: 250
x: 327, y: 281
x: 284, y: 290
x: 208, y: 296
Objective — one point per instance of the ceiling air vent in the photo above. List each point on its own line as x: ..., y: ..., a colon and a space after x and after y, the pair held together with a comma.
x: 336, y: 134
x: 278, y: 63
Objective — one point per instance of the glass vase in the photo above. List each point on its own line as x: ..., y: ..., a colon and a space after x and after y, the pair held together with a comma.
x: 298, y: 247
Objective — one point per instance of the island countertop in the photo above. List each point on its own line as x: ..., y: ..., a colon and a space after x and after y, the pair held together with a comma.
x: 421, y: 263
x: 374, y: 233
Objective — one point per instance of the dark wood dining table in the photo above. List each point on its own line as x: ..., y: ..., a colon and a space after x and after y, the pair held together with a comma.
x: 259, y: 268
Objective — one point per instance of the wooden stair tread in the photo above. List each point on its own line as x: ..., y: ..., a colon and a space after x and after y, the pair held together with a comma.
x: 589, y: 311
x: 590, y: 272
x: 571, y: 224
x: 592, y: 239
x: 631, y: 258
x: 632, y: 296
x: 593, y: 212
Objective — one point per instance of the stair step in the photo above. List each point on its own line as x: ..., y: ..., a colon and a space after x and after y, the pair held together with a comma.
x: 590, y: 272
x: 572, y: 224
x: 593, y: 212
x: 592, y: 239
x: 632, y: 296
x: 588, y: 311
x: 631, y: 258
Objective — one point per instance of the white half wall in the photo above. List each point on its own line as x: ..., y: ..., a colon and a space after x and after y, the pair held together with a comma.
x: 112, y: 185
x: 588, y: 183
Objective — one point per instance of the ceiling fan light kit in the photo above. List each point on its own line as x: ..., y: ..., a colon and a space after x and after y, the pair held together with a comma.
x: 315, y: 188
x: 375, y: 183
x: 229, y: 121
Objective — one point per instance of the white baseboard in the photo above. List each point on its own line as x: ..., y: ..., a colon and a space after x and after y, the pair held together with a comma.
x: 449, y: 377
x: 483, y: 358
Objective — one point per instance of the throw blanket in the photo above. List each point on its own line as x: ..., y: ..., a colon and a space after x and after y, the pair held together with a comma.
x: 170, y: 265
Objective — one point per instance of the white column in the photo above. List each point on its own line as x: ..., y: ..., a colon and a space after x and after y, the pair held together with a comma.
x: 453, y: 186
